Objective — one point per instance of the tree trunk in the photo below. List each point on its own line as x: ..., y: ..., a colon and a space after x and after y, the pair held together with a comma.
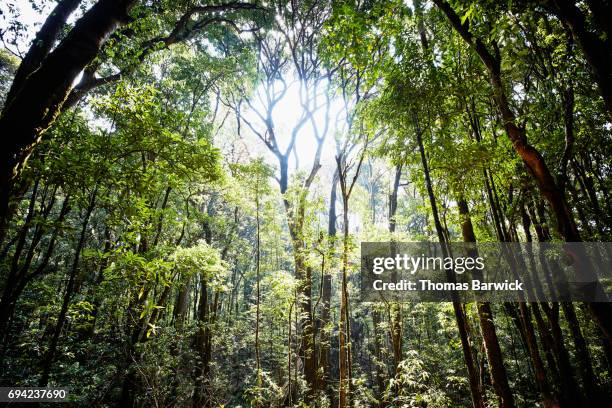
x: 552, y: 336
x: 393, y: 198
x: 395, y: 315
x: 462, y: 323
x: 326, y: 293
x: 303, y: 274
x: 380, y: 359
x: 48, y: 361
x: 522, y: 320
x: 601, y: 312
x: 39, y: 100
x: 182, y: 303
x: 493, y: 351
x: 41, y: 46
x: 131, y: 382
x: 596, y: 48
x: 583, y: 355
x: 14, y: 288
x: 258, y: 299
x: 345, y: 352
x: 395, y: 312
x: 344, y: 335
x: 200, y: 396
x: 98, y: 281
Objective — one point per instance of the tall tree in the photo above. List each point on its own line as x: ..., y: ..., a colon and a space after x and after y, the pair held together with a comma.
x: 46, y: 77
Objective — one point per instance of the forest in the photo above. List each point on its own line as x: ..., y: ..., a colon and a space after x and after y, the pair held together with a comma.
x: 185, y: 185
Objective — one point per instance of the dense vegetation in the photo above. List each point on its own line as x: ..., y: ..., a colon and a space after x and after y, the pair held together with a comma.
x: 184, y: 186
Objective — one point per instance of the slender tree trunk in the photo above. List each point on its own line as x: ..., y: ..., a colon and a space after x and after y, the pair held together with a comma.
x: 344, y: 334
x: 326, y: 293
x: 98, y: 281
x: 295, y: 218
x: 289, y: 355
x: 596, y: 48
x: 499, y: 378
x: 258, y: 296
x: 583, y: 356
x: 393, y: 198
x: 571, y: 391
x: 552, y: 337
x: 524, y: 324
x: 131, y: 382
x: 601, y: 312
x: 346, y: 187
x: 395, y: 312
x: 200, y: 397
x: 182, y: 303
x: 540, y: 372
x: 380, y: 361
x: 23, y: 233
x: 324, y: 344
x: 460, y: 317
x: 303, y: 274
x: 14, y: 288
x: 61, y: 319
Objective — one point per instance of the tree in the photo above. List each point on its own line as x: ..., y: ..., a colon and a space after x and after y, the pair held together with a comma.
x: 44, y: 81
x: 291, y: 49
x: 149, y: 262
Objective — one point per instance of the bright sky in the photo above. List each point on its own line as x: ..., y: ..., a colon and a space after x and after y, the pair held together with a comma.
x: 286, y: 115
x: 26, y: 15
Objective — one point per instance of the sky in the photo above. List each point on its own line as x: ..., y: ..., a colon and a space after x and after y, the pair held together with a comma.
x: 25, y: 13
x: 286, y: 113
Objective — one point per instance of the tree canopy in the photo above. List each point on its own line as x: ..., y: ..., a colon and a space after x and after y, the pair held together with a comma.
x: 184, y: 187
